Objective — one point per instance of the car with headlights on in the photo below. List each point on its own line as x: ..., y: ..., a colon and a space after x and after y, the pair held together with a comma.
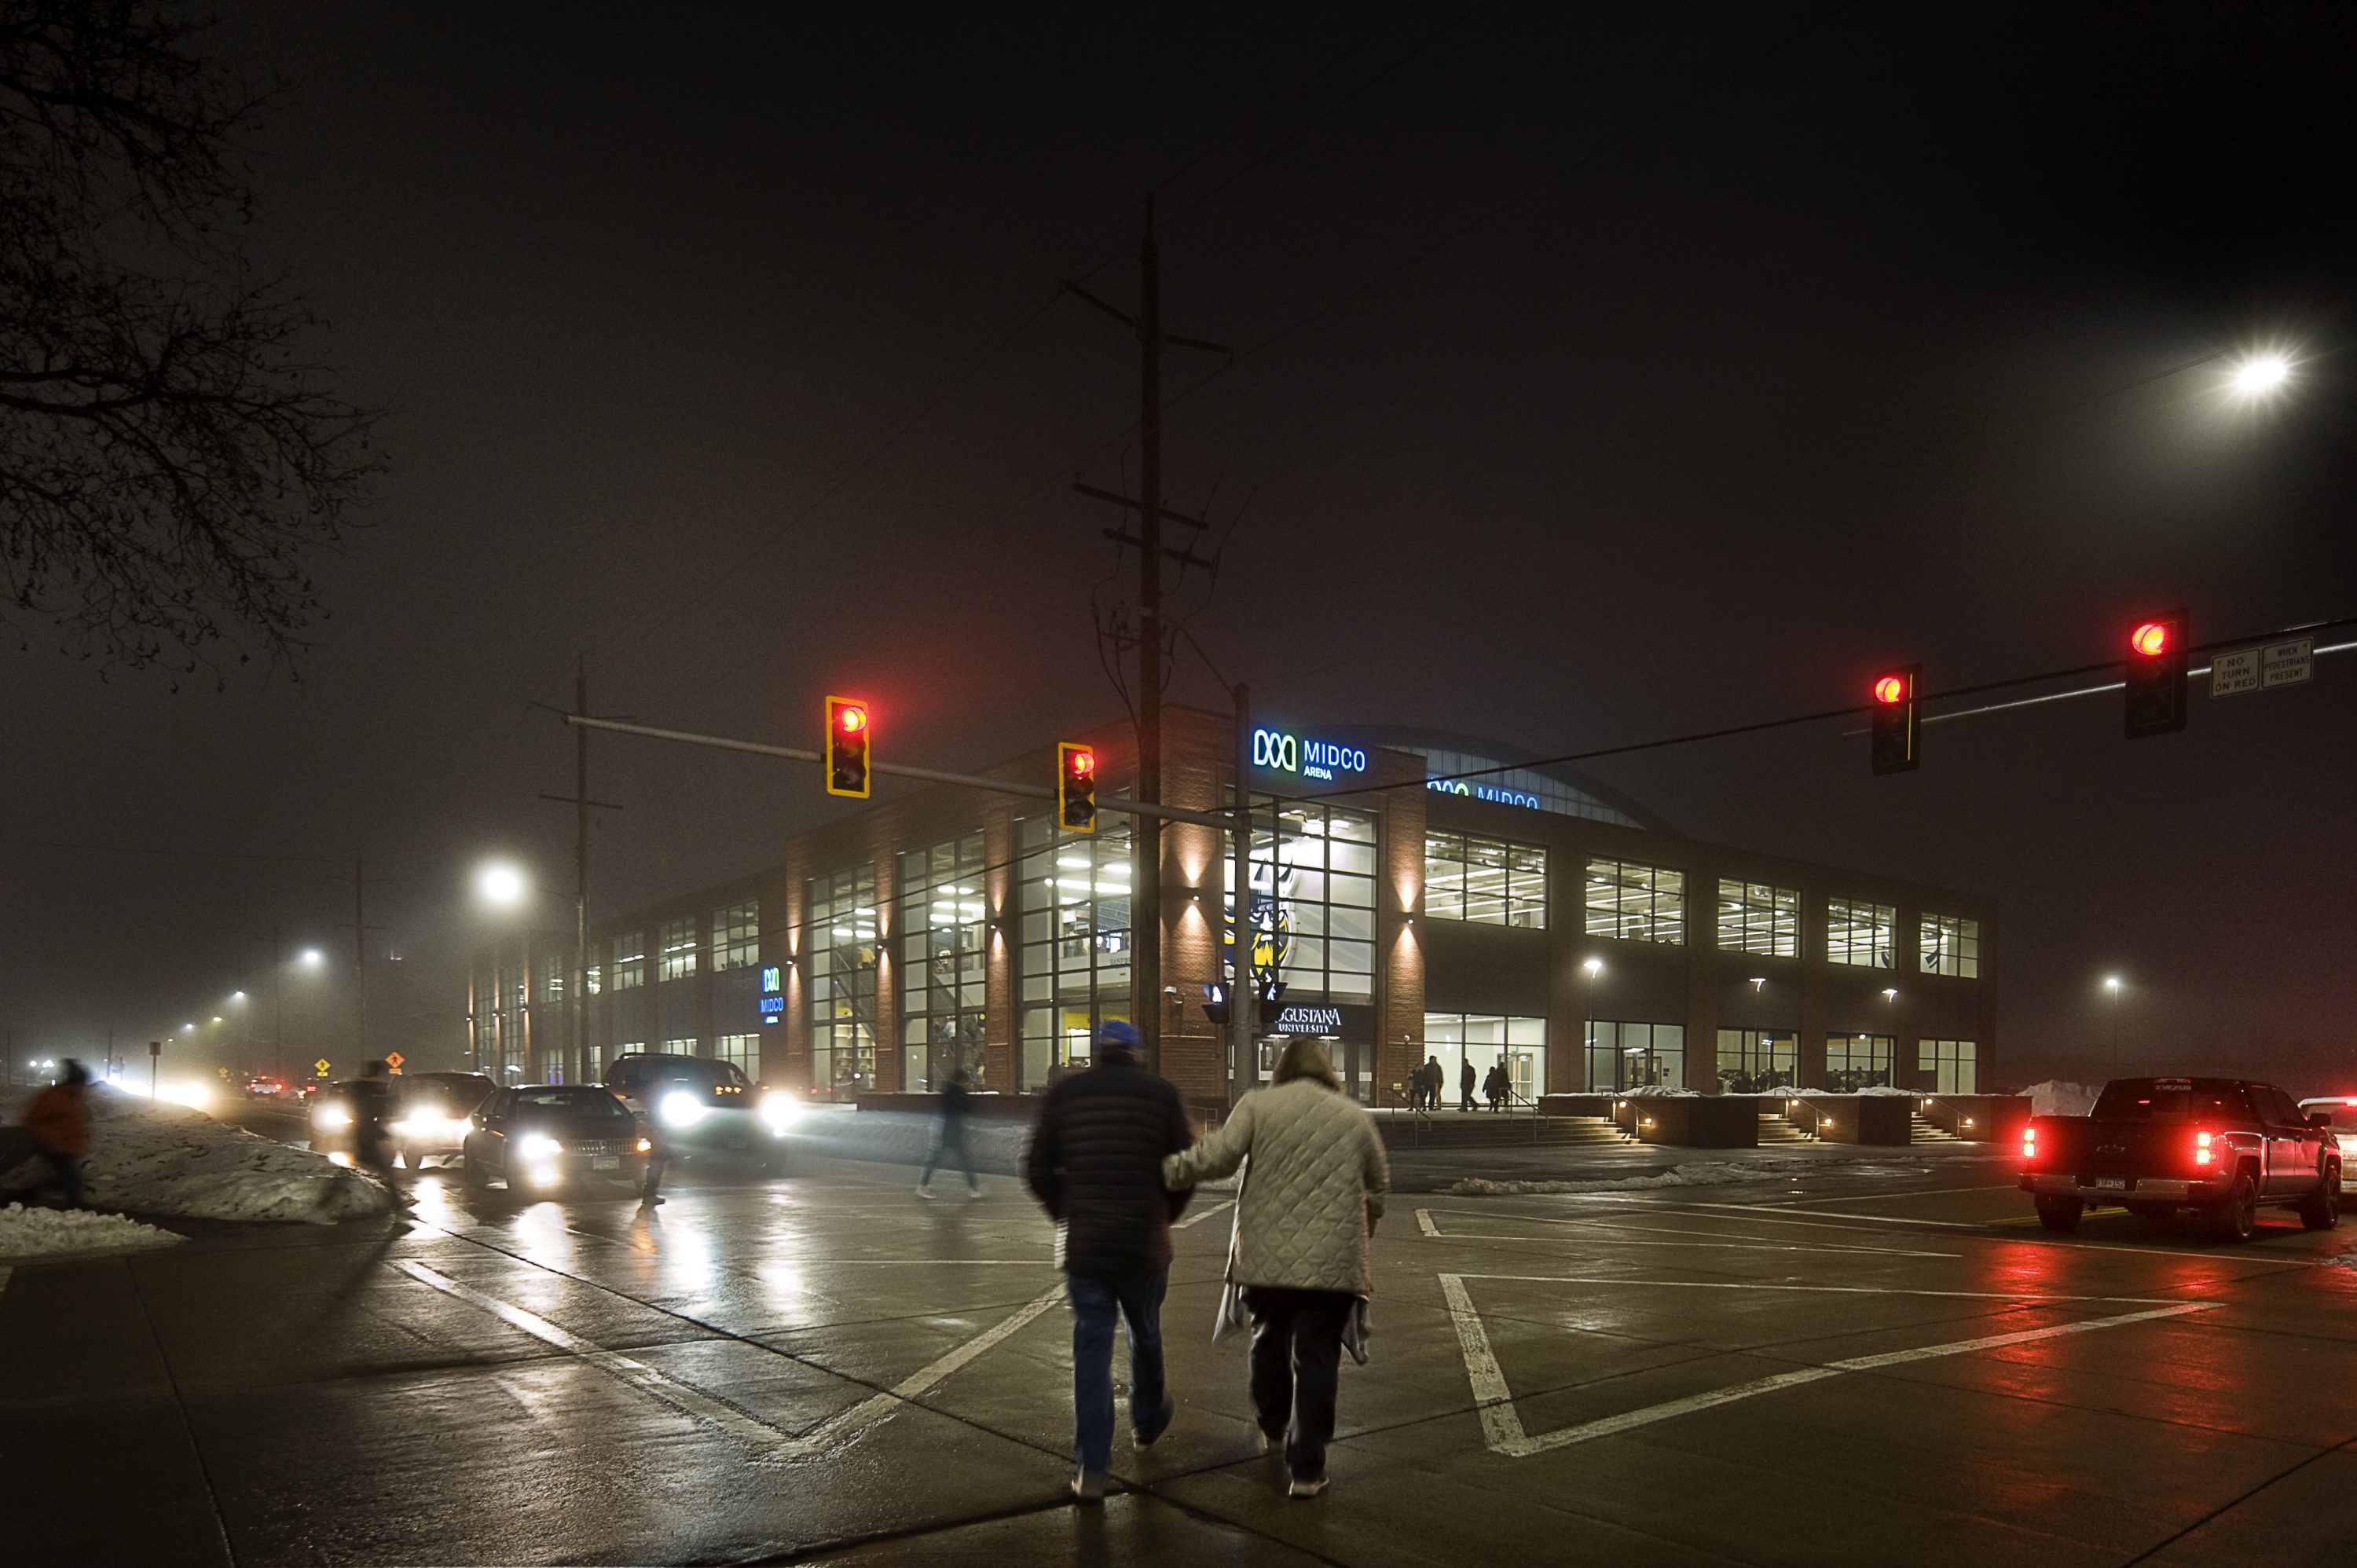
x: 704, y: 1103
x: 543, y: 1137
x: 432, y: 1112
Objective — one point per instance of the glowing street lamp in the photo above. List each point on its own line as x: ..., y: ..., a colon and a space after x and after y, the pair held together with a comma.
x: 500, y: 884
x: 2112, y: 984
x: 2258, y: 375
x: 313, y: 958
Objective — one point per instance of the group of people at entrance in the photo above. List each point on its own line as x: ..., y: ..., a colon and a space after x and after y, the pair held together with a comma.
x: 1427, y: 1082
x: 1113, y: 1161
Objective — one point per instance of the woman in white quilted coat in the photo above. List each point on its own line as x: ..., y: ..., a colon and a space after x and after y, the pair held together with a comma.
x: 1313, y: 1190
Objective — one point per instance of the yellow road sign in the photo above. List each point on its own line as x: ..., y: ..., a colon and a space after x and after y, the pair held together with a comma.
x: 322, y: 1065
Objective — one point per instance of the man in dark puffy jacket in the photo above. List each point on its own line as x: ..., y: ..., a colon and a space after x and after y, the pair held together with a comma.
x: 1096, y: 1163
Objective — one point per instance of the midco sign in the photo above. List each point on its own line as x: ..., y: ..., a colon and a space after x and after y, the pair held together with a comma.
x: 1286, y: 752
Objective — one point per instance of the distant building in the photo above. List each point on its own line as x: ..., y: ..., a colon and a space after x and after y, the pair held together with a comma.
x: 1527, y: 912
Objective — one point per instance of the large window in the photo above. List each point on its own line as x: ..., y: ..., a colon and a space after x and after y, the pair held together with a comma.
x: 1636, y: 903
x: 1858, y: 1061
x: 1948, y: 1067
x: 745, y: 1050
x: 1755, y: 1061
x: 843, y: 941
x: 631, y: 961
x: 1313, y: 901
x: 1759, y: 918
x: 941, y: 927
x: 1485, y: 882
x: 1074, y: 894
x: 1485, y: 1039
x: 1859, y: 933
x: 737, y: 936
x: 1951, y: 945
x: 1635, y: 1056
x: 678, y: 948
x: 552, y: 979
x: 682, y: 1048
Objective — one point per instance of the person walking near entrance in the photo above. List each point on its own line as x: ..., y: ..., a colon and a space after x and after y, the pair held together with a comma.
x: 949, y: 1137
x: 1496, y: 1088
x: 58, y: 1122
x: 1298, y: 1254
x: 1435, y: 1082
x: 1465, y: 1086
x: 1095, y: 1165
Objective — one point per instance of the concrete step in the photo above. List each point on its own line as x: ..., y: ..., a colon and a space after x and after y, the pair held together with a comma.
x: 1922, y: 1131
x: 1774, y: 1129
x: 1481, y: 1130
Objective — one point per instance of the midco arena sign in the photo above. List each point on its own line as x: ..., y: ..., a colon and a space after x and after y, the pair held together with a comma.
x: 1311, y: 759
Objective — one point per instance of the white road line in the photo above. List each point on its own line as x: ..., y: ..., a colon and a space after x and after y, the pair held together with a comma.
x: 1202, y: 1214
x: 1703, y: 1246
x: 1501, y: 1425
x: 1880, y: 1197
x: 1868, y: 1218
x: 768, y: 1439
x: 1714, y: 1238
x: 2025, y: 1300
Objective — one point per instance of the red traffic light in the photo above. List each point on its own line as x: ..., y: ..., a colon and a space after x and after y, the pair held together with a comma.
x: 851, y: 718
x: 2150, y: 640
x: 1890, y: 689
x: 1076, y: 788
x: 848, y: 737
x: 1082, y: 763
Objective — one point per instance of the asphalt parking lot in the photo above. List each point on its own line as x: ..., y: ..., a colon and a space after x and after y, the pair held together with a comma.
x: 1874, y: 1362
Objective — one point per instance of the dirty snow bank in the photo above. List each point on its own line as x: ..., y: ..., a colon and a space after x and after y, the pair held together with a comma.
x: 1657, y: 1092
x: 1699, y: 1173
x: 50, y: 1232
x: 2056, y: 1097
x: 157, y: 1158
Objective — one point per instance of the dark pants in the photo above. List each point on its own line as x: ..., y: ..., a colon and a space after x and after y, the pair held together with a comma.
x: 949, y: 1139
x: 1097, y: 1300
x: 1296, y: 1352
x: 1465, y: 1098
x: 65, y: 1175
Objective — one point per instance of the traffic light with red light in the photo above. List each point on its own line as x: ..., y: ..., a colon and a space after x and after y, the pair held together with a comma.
x: 1894, y: 718
x: 2156, y: 675
x: 847, y: 731
x: 1076, y: 788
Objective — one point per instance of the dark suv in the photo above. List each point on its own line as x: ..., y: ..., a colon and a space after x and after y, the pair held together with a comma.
x: 705, y: 1103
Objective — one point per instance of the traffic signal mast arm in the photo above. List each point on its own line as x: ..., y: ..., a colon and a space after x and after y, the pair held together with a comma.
x: 898, y: 770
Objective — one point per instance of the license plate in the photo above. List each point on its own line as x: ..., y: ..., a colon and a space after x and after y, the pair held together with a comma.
x: 2112, y: 1183
x: 606, y: 1163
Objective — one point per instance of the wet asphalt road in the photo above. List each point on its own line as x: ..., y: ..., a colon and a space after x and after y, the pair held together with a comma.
x: 1875, y: 1363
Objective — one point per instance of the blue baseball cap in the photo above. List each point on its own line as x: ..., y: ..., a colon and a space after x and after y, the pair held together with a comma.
x: 1115, y: 1033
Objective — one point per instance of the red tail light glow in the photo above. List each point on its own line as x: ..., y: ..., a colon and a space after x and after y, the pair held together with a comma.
x: 2030, y: 1142
x: 2200, y: 1148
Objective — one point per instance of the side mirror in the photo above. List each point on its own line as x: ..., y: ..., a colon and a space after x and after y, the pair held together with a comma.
x: 2320, y: 1118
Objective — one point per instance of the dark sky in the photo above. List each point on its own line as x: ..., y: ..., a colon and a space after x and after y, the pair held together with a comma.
x: 1624, y: 373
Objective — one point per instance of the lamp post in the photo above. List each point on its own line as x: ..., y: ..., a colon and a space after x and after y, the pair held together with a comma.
x: 1592, y: 967
x: 2112, y: 984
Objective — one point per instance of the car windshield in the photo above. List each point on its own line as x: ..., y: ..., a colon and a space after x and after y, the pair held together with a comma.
x: 701, y: 1070
x: 2172, y: 1099
x: 572, y: 1104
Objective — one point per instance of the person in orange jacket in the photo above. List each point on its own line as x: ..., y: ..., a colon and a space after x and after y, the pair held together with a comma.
x: 58, y: 1123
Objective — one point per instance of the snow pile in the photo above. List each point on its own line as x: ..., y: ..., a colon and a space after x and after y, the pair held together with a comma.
x: 1700, y: 1173
x: 2056, y: 1097
x: 1658, y: 1092
x: 1886, y: 1089
x: 50, y: 1232
x: 153, y: 1157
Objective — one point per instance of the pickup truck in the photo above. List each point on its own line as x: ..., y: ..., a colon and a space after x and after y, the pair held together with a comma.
x: 2220, y: 1145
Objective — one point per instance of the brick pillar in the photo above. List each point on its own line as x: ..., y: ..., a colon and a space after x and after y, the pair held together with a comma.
x: 1000, y: 1048
x: 1399, y: 951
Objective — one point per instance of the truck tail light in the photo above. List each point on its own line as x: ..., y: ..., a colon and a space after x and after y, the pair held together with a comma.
x: 2028, y: 1144
x: 2200, y: 1148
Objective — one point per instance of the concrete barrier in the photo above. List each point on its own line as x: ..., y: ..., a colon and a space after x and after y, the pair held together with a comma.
x: 1575, y: 1105
x: 1882, y: 1121
x: 1980, y: 1118
x: 1698, y: 1121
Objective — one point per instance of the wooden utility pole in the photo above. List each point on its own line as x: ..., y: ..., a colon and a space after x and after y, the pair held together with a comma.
x: 359, y: 951
x: 577, y: 1070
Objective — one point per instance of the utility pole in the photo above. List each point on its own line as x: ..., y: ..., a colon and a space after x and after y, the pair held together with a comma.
x: 575, y: 1044
x: 1243, y: 1068
x: 277, y: 1007
x: 360, y: 929
x: 1146, y: 881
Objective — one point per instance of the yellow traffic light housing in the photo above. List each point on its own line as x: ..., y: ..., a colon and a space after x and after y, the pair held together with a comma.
x: 1076, y: 788
x: 848, y: 730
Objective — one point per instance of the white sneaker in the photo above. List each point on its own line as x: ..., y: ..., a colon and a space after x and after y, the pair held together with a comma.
x: 926, y: 1193
x: 1305, y: 1487
x: 1089, y: 1486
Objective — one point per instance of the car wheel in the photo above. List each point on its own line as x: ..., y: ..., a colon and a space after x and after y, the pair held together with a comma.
x: 471, y: 1170
x: 2323, y: 1212
x: 2060, y: 1213
x: 2237, y: 1219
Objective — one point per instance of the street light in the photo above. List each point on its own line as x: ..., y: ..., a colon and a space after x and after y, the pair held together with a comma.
x: 313, y: 958
x: 500, y: 884
x: 1593, y: 967
x: 2112, y: 984
x: 2258, y: 375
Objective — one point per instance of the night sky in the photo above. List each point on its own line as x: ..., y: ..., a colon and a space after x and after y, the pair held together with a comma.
x: 1608, y: 375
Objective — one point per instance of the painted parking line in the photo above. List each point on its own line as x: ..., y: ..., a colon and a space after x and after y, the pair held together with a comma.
x: 1885, y: 1197
x: 1501, y: 1425
x: 1202, y: 1214
x: 1712, y: 1239
x: 766, y: 1438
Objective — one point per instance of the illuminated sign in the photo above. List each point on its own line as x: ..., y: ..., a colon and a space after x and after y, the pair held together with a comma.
x: 1324, y: 1018
x: 772, y: 1009
x: 1284, y: 752
x: 769, y: 981
x: 1480, y: 791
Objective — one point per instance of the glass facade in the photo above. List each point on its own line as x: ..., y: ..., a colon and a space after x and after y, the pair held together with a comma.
x: 745, y: 1050
x: 677, y: 948
x: 1313, y: 901
x: 1759, y: 917
x: 1074, y: 961
x: 1864, y: 935
x: 737, y: 936
x: 1858, y: 1061
x: 1948, y: 1067
x: 1636, y: 903
x: 1635, y: 1056
x: 631, y: 961
x: 1951, y: 945
x: 941, y: 928
x: 1484, y: 882
x: 842, y: 945
x: 1754, y: 1061
x: 1485, y: 1039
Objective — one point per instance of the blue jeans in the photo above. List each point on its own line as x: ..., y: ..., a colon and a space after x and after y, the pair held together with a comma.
x: 1095, y: 1300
